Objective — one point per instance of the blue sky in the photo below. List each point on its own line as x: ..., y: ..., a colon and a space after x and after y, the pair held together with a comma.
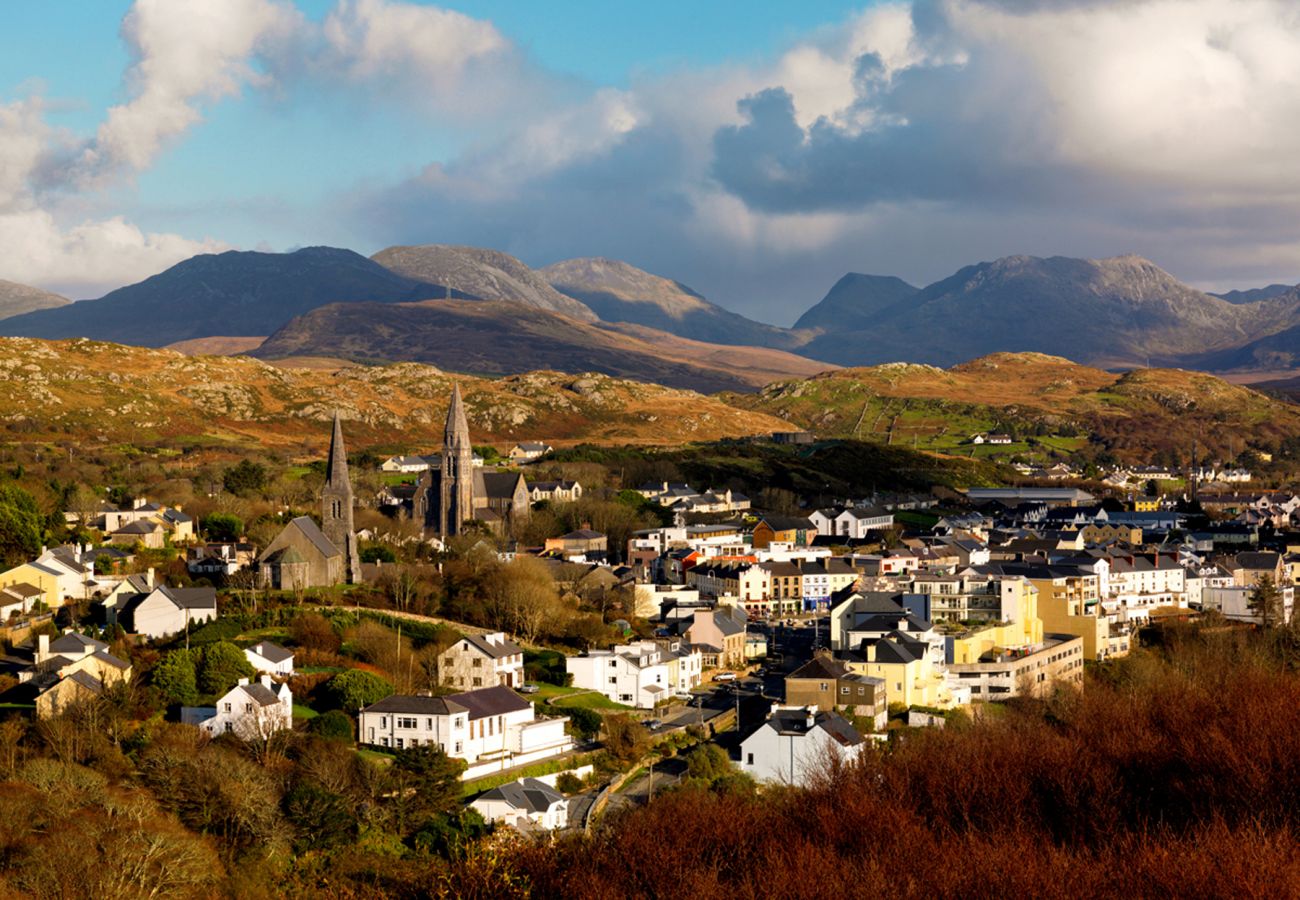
x: 756, y: 151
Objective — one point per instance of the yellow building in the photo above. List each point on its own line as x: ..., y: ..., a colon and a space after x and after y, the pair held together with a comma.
x: 1103, y: 534
x: 37, y: 576
x: 1147, y: 504
x: 1071, y: 604
x: 909, y: 672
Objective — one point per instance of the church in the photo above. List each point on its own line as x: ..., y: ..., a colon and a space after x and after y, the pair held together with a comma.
x: 305, y: 555
x: 456, y: 492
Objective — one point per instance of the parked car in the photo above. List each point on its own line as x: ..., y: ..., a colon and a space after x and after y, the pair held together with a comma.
x: 528, y: 689
x: 725, y: 676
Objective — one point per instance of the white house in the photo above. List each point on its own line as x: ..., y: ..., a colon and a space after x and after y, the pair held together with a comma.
x: 524, y: 804
x: 640, y: 674
x: 853, y: 523
x: 270, y: 659
x: 490, y: 724
x: 404, y: 464
x: 529, y: 451
x: 249, y: 711
x: 166, y: 610
x: 797, y: 743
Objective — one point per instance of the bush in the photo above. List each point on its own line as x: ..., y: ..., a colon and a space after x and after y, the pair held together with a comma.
x: 584, y: 722
x: 568, y: 783
x: 246, y: 477
x: 373, y: 553
x: 334, y: 725
x: 355, y: 689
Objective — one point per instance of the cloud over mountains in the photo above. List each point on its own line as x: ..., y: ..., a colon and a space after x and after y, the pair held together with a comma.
x: 906, y: 139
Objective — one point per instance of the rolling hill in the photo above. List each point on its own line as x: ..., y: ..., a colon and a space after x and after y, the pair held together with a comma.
x: 619, y: 292
x: 16, y: 299
x: 1050, y: 404
x: 485, y: 274
x: 231, y: 294
x: 145, y: 397
x: 501, y: 338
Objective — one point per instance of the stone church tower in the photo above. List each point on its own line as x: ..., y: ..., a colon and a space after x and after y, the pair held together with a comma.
x: 336, y: 506
x: 456, y: 484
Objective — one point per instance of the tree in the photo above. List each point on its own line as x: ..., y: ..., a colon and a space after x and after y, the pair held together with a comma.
x: 223, y: 526
x: 223, y: 665
x: 22, y: 527
x: 1265, y: 601
x: 424, y: 783
x: 626, y: 739
x: 708, y: 762
x: 245, y: 477
x: 521, y: 597
x: 585, y: 722
x: 355, y: 688
x: 322, y: 818
x: 175, y: 679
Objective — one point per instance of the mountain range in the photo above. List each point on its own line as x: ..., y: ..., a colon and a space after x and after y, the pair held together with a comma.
x: 607, y: 315
x: 16, y: 299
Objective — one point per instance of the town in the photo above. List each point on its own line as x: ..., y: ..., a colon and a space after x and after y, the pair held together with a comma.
x: 526, y: 675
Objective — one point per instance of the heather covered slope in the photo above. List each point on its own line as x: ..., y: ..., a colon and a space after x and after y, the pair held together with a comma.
x: 619, y: 292
x: 230, y: 294
x: 1060, y: 404
x: 144, y: 396
x: 499, y: 338
x: 16, y: 299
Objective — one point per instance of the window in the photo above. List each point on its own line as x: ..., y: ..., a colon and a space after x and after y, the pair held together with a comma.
x: 823, y: 686
x: 227, y: 707
x: 384, y: 741
x: 845, y: 689
x: 749, y: 759
x: 228, y: 728
x: 478, y: 682
x: 408, y: 722
x: 428, y: 724
x: 459, y: 747
x: 248, y: 707
x: 478, y: 663
x: 383, y: 721
x: 399, y: 743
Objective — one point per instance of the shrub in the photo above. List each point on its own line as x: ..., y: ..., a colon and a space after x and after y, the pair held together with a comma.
x: 355, y: 689
x: 175, y: 678
x: 334, y: 725
x: 568, y: 783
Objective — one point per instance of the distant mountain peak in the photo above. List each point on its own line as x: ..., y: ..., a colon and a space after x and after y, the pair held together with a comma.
x: 482, y: 273
x: 16, y: 299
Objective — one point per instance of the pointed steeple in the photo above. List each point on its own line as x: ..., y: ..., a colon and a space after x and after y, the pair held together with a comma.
x: 457, y: 431
x: 336, y: 465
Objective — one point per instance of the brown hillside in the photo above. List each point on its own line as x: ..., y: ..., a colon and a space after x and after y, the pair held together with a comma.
x: 500, y: 338
x: 91, y: 392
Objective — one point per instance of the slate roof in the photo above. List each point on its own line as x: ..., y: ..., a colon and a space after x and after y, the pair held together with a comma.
x: 820, y: 667
x: 271, y: 652
x: 416, y: 705
x: 495, y: 651
x: 529, y: 794
x: 72, y: 642
x: 260, y: 694
x: 311, y: 531
x: 491, y: 701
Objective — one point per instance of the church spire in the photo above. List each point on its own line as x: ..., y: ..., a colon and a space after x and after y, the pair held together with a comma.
x: 456, y: 434
x: 336, y: 465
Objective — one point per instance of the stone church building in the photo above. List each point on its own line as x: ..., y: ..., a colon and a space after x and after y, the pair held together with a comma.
x: 305, y: 555
x: 456, y: 492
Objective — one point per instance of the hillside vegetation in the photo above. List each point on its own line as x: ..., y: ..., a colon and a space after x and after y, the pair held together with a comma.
x: 501, y: 338
x: 86, y: 391
x: 1064, y: 406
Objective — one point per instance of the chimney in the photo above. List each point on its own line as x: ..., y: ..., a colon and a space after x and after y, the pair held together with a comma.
x: 243, y: 682
x: 811, y: 720
x: 138, y: 502
x: 42, y: 647
x: 266, y: 681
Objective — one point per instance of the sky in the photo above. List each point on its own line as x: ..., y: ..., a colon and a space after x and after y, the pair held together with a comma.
x: 755, y: 151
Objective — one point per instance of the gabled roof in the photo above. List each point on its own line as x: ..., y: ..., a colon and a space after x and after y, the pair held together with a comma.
x: 260, y: 694
x: 416, y: 705
x: 72, y: 642
x: 491, y: 701
x: 271, y: 652
x: 528, y: 794
x: 311, y: 531
x: 494, y: 651
x: 192, y: 598
x: 820, y: 667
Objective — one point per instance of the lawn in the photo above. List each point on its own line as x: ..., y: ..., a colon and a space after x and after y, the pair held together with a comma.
x: 588, y: 700
x: 304, y: 712
x: 375, y: 755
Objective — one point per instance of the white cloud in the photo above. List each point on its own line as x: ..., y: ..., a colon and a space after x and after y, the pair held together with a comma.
x: 380, y: 39
x: 186, y: 52
x: 87, y: 258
